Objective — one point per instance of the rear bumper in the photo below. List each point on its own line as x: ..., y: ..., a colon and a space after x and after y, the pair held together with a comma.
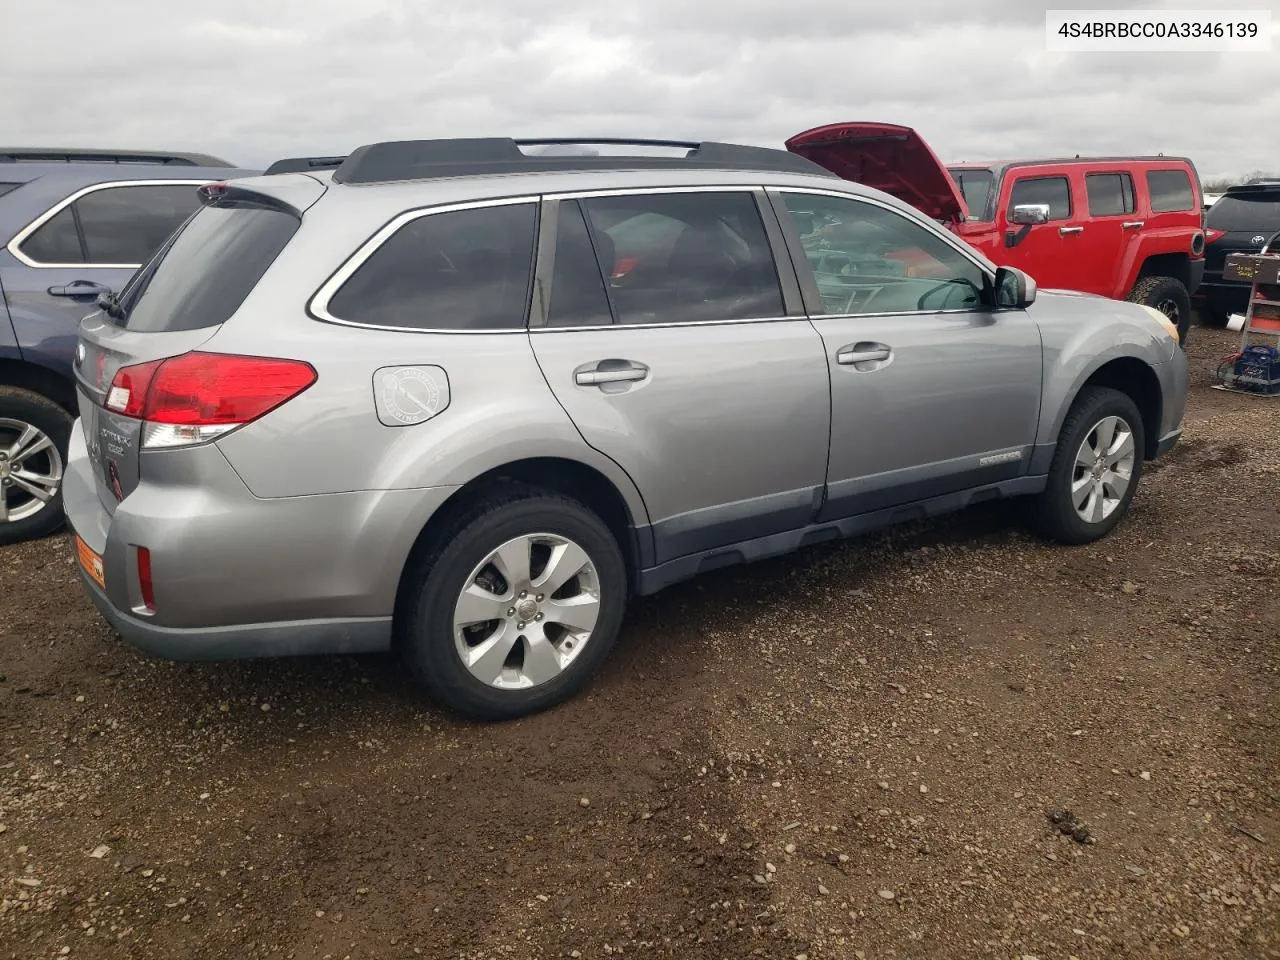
x: 1223, y: 295
x: 236, y: 576
x: 1195, y: 277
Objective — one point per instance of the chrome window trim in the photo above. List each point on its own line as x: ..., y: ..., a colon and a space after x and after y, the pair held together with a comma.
x: 318, y: 305
x: 21, y: 237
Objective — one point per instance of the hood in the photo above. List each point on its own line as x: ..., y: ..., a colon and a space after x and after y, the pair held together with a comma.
x: 888, y: 157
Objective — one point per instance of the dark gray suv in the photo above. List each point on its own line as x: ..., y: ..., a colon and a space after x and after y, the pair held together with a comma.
x: 73, y: 224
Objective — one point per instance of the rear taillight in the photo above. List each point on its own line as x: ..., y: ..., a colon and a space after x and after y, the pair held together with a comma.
x: 1210, y: 235
x: 198, y: 396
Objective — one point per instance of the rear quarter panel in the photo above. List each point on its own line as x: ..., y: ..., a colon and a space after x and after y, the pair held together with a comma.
x: 1081, y: 334
x: 1170, y: 232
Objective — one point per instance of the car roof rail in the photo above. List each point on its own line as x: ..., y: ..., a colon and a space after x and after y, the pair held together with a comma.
x: 302, y: 164
x: 401, y: 160
x: 84, y: 155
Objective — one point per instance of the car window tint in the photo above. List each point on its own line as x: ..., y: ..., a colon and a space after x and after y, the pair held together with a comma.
x: 200, y: 279
x: 1170, y: 190
x: 1257, y: 212
x: 127, y: 225
x: 1055, y: 191
x: 1110, y: 194
x: 460, y: 270
x: 56, y: 241
x: 976, y: 187
x: 867, y: 259
x: 685, y: 257
x: 578, y: 297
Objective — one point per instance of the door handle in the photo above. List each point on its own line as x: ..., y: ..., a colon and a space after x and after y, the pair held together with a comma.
x: 79, y: 288
x: 610, y: 371
x: 1133, y: 224
x: 862, y: 353
x: 1065, y: 230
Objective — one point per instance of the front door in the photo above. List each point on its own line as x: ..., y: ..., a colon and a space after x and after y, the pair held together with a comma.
x: 666, y: 338
x: 932, y: 392
x: 1046, y: 251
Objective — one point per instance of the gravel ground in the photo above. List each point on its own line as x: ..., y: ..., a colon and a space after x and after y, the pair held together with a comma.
x: 949, y: 742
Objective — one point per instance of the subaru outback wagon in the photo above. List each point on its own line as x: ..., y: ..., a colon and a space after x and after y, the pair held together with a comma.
x: 462, y: 400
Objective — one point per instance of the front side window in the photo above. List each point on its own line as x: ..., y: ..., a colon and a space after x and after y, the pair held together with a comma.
x: 1054, y: 191
x: 867, y: 259
x: 1110, y: 194
x: 1170, y: 191
x: 684, y: 257
x: 457, y: 270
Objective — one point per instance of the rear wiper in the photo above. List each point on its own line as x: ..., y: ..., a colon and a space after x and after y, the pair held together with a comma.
x: 111, y: 304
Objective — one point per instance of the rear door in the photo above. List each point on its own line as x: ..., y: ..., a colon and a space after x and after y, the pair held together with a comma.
x: 1112, y: 231
x: 667, y: 338
x: 932, y: 392
x: 173, y: 305
x: 1044, y: 250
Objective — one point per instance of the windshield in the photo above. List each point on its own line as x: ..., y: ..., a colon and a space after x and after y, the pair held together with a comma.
x: 975, y: 186
x: 204, y: 272
x: 1259, y: 212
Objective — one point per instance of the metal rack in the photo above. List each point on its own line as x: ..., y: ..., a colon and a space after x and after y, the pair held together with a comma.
x: 1255, y: 368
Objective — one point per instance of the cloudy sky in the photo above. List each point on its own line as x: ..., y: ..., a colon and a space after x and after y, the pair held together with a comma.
x: 253, y: 80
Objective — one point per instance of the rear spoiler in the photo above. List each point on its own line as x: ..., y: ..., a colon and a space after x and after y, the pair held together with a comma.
x: 303, y: 164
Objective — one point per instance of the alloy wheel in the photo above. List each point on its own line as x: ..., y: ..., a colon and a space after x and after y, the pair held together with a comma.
x: 30, y: 470
x: 1103, y: 469
x: 527, y: 611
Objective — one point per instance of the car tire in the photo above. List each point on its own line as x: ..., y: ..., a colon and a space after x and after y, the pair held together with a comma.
x: 1069, y: 509
x: 464, y: 667
x: 23, y: 516
x: 1170, y: 297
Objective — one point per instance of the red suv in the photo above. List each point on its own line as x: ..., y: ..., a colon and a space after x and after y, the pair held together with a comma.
x: 1121, y: 227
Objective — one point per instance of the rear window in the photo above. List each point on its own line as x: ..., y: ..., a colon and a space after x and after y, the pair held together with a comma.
x: 207, y: 269
x: 1170, y: 191
x: 1258, y: 212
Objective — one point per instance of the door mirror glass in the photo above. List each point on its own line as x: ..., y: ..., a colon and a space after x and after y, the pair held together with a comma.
x: 1014, y: 289
x: 1029, y: 213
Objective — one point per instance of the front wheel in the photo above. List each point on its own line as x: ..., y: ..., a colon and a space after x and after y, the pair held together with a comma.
x: 34, y: 434
x: 1095, y: 470
x: 1170, y: 297
x: 517, y: 606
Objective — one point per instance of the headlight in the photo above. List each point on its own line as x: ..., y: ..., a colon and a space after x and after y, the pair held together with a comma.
x: 1165, y: 323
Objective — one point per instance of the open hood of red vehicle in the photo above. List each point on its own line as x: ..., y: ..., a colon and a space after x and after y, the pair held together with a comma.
x: 888, y: 157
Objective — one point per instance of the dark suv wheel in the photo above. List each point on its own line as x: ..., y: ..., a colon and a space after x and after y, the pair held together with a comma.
x: 1170, y: 297
x: 34, y: 432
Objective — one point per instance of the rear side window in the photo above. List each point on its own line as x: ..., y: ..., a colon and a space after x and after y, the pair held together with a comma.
x: 128, y: 225
x: 685, y: 257
x: 1254, y: 212
x: 578, y: 297
x: 207, y: 270
x: 1170, y: 191
x: 458, y: 270
x: 114, y: 226
x: 1055, y: 191
x: 1110, y: 194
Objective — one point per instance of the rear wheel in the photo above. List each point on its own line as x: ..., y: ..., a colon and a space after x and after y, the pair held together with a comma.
x: 517, y: 606
x: 34, y: 433
x: 1170, y: 297
x: 1095, y: 470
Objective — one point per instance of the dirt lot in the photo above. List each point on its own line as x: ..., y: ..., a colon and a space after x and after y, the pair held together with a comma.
x: 850, y: 753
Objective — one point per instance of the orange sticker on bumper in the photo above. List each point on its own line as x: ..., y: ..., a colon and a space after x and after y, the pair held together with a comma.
x: 91, y: 562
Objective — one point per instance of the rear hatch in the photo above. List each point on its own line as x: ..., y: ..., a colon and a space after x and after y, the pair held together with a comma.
x: 170, y: 307
x: 887, y: 157
x: 1240, y: 221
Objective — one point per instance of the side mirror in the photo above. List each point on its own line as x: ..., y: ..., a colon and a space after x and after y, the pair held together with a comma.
x: 1014, y: 289
x: 1029, y: 213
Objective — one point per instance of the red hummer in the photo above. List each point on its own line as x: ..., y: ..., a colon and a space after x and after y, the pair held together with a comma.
x: 1122, y: 227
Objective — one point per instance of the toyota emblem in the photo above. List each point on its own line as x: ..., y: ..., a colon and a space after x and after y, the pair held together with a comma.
x: 1258, y: 239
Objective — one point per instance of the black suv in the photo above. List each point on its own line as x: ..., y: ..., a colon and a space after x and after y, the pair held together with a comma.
x: 1243, y: 220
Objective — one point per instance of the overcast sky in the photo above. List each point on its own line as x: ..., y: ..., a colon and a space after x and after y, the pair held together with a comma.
x: 254, y: 80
